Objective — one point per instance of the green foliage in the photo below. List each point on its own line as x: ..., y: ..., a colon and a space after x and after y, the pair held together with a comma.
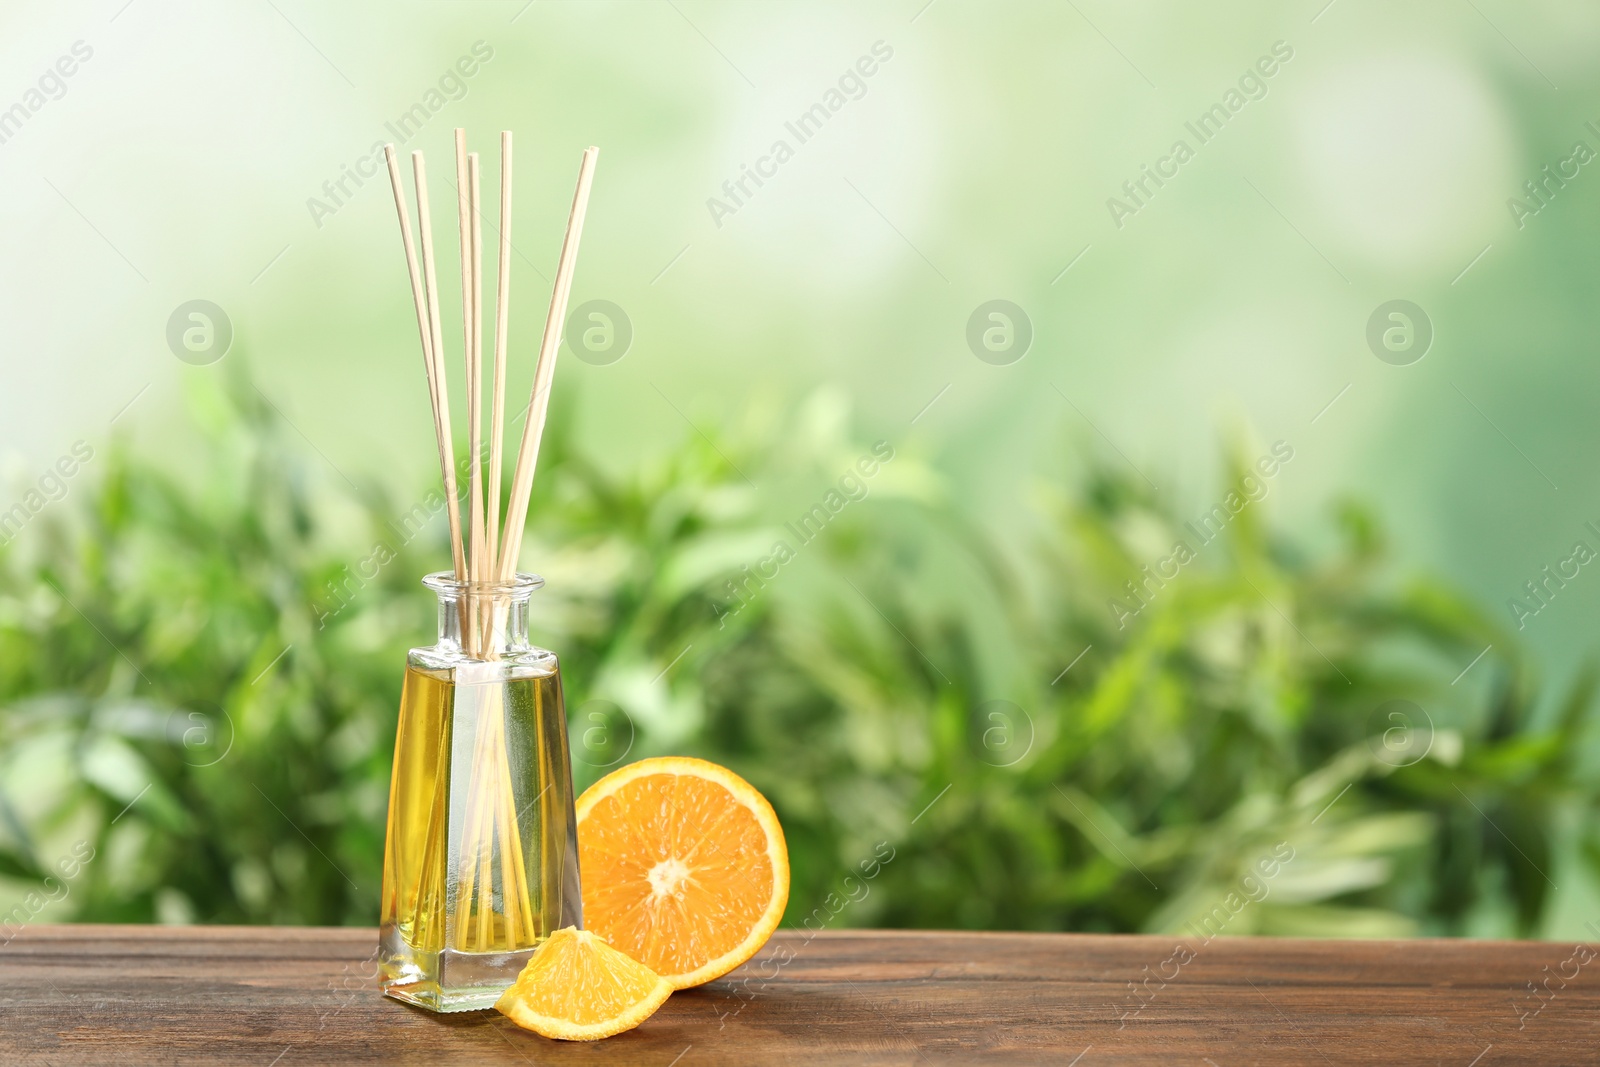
x: 202, y: 683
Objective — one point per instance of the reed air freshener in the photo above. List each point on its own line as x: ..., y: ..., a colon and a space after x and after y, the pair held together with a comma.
x: 480, y: 862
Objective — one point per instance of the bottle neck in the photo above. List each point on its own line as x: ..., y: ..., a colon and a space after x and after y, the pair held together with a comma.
x: 484, y: 627
x: 484, y: 620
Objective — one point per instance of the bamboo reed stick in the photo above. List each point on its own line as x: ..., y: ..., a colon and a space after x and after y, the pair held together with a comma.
x: 518, y: 862
x: 436, y: 376
x: 502, y: 316
x: 484, y: 563
x: 418, y: 295
x: 521, y: 920
x: 544, y: 373
x: 471, y: 839
x: 467, y: 202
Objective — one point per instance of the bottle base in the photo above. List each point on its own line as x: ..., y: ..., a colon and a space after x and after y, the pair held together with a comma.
x: 446, y: 980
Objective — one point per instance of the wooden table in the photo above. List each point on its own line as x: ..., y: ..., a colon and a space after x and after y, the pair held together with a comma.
x: 284, y: 996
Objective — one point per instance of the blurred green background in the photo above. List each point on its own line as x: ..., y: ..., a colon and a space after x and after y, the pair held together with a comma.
x: 943, y: 669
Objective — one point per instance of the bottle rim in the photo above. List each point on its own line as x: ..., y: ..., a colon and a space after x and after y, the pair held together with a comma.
x: 444, y: 583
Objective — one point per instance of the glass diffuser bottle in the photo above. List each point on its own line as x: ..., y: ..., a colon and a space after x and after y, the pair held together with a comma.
x: 481, y: 860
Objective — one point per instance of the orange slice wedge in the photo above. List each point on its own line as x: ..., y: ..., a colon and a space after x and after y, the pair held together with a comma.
x: 684, y: 867
x: 578, y: 988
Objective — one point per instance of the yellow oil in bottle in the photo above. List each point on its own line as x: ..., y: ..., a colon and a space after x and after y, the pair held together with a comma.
x: 413, y: 895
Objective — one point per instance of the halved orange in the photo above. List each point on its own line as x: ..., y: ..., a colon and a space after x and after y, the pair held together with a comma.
x: 684, y: 866
x: 578, y: 988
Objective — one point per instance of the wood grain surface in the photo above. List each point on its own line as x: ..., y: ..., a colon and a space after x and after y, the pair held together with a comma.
x: 284, y: 996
